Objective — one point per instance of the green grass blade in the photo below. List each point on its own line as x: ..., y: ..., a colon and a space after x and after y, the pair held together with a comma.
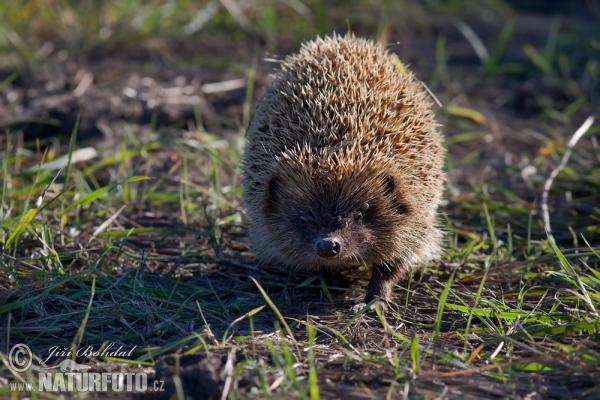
x: 235, y: 321
x: 138, y: 178
x: 414, y: 352
x: 21, y: 227
x: 72, y: 148
x: 465, y: 113
x: 440, y: 312
x: 89, y: 197
x: 491, y: 65
x: 313, y: 382
x: 539, y: 61
x: 278, y: 313
x: 9, y: 79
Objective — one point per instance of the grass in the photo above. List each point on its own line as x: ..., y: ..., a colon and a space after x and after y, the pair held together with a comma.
x: 143, y: 244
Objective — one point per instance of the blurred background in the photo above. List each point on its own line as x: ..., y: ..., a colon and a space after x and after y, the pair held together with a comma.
x: 122, y: 60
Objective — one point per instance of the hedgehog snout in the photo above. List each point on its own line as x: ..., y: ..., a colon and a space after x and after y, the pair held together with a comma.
x: 329, y: 247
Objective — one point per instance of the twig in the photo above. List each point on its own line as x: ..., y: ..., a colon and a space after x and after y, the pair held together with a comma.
x: 510, y: 330
x: 578, y: 134
x: 228, y: 372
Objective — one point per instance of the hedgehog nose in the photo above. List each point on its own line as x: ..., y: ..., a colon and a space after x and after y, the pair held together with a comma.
x: 329, y: 248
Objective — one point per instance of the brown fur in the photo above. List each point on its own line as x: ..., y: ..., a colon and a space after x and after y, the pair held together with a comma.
x: 343, y: 131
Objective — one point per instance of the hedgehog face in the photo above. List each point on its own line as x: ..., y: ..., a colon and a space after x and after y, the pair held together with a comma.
x: 337, y: 225
x: 331, y: 233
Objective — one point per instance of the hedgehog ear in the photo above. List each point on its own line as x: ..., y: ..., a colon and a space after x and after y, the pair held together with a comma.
x: 389, y: 189
x: 389, y: 185
x: 273, y: 192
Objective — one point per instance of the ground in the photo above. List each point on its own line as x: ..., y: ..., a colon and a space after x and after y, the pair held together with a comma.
x: 127, y: 120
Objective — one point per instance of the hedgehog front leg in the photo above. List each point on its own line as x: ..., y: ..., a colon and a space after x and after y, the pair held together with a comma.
x: 383, y: 279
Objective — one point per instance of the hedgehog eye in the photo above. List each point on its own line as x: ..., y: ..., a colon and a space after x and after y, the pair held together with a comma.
x: 358, y: 216
x: 364, y: 207
x: 303, y: 219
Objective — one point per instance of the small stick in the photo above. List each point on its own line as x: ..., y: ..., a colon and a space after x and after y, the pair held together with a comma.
x: 228, y: 372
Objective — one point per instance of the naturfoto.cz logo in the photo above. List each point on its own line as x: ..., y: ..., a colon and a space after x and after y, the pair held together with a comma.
x: 69, y: 376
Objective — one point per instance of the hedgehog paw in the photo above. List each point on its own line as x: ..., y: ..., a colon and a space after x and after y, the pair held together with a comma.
x: 383, y: 306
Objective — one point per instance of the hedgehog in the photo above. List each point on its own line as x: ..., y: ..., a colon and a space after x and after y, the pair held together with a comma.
x: 343, y: 164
